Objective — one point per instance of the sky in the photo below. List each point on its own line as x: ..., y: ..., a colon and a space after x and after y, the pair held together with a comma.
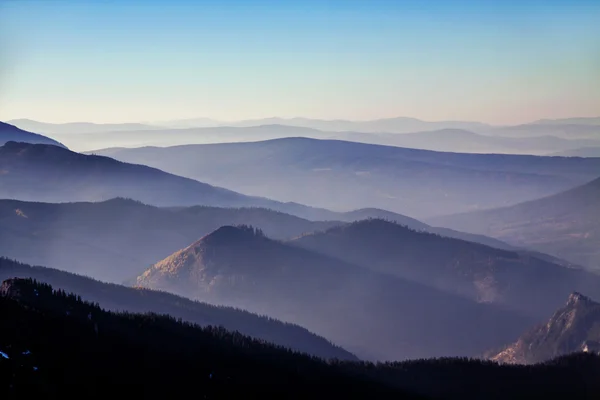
x: 501, y: 62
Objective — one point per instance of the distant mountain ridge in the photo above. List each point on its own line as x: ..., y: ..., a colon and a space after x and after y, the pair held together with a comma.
x: 75, y: 127
x: 570, y: 121
x: 35, y: 172
x: 454, y: 136
x: 342, y: 176
x: 581, y: 152
x: 565, y: 225
x: 564, y: 130
x: 463, y: 141
x: 10, y: 133
x: 393, y: 125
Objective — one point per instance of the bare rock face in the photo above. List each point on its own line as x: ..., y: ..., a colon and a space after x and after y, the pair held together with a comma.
x: 573, y: 328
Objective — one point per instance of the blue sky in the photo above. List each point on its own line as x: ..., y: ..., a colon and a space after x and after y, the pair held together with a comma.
x: 121, y: 61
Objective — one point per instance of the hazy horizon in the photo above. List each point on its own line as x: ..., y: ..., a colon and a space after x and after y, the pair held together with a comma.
x: 500, y: 63
x: 224, y: 123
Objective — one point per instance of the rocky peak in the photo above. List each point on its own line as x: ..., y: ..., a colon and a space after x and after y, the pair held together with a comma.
x: 573, y: 328
x: 577, y: 298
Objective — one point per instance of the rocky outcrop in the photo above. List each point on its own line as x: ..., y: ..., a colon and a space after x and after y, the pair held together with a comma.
x: 573, y: 328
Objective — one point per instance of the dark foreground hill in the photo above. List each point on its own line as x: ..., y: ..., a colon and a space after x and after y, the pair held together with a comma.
x: 575, y: 327
x: 372, y: 314
x: 566, y: 225
x: 122, y: 298
x: 54, y: 346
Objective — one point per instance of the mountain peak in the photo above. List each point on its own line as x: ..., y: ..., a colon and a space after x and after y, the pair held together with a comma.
x: 576, y: 298
x: 230, y: 234
x: 571, y: 329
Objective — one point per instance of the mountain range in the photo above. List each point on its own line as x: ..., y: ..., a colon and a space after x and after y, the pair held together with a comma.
x: 541, y: 137
x: 35, y: 172
x: 75, y: 127
x: 565, y: 129
x: 115, y: 240
x: 392, y: 125
x: 565, y: 225
x: 463, y: 141
x: 453, y: 140
x: 52, y: 338
x: 573, y: 328
x: 300, y: 256
x: 593, y: 121
x: 371, y: 314
x: 519, y: 281
x: 343, y: 175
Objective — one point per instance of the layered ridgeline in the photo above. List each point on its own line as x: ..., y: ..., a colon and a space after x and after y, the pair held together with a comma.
x: 117, y: 239
x: 453, y: 140
x: 566, y: 225
x: 36, y: 172
x: 573, y: 328
x: 372, y: 314
x: 51, y: 339
x: 515, y: 279
x: 122, y: 298
x: 343, y: 176
x: 464, y: 141
x: 581, y: 152
x: 10, y: 133
x: 53, y: 345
